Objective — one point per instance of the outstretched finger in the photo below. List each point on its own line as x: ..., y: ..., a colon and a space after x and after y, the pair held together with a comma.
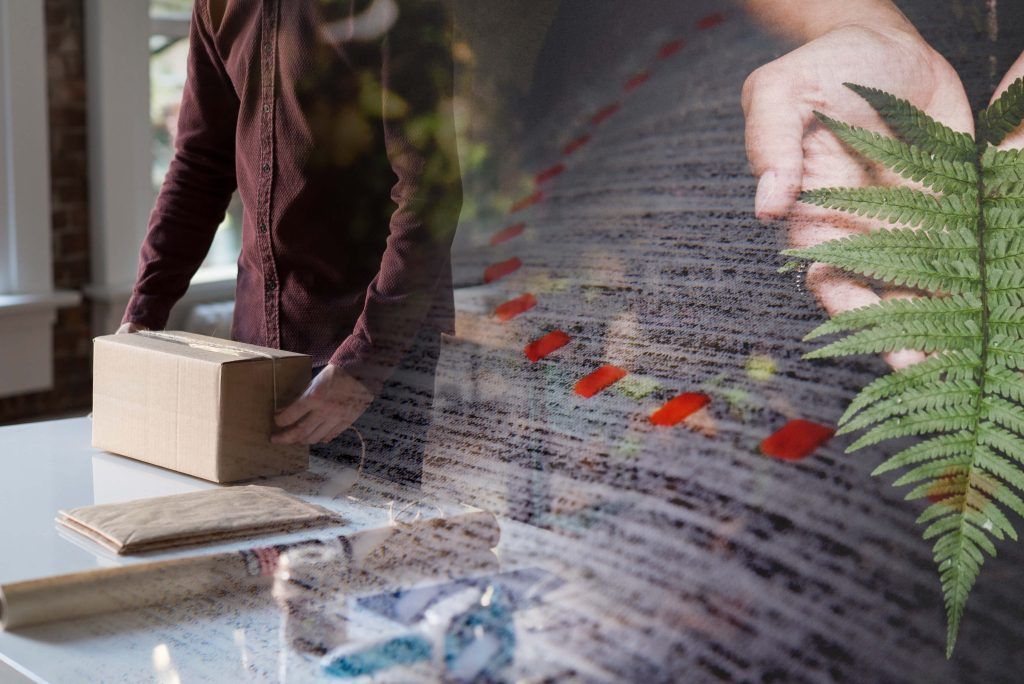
x: 327, y: 431
x: 774, y: 143
x: 291, y: 414
x: 299, y: 432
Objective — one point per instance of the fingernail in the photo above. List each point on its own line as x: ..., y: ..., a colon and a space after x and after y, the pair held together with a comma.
x: 765, y: 193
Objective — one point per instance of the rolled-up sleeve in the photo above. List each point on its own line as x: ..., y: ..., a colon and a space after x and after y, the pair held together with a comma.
x: 419, y: 130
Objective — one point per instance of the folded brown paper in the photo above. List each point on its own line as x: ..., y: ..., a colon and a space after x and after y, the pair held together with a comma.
x: 193, y: 518
x: 445, y: 547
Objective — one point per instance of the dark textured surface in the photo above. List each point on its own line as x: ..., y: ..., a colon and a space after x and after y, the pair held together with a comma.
x: 703, y: 560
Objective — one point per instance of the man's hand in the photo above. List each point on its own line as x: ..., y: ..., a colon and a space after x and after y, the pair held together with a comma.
x: 332, y: 402
x: 128, y: 328
x: 790, y: 151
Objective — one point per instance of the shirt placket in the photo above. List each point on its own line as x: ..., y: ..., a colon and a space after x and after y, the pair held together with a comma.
x: 271, y: 285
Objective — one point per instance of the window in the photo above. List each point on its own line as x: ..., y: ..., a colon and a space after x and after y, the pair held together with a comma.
x: 24, y: 158
x: 28, y: 301
x: 168, y: 52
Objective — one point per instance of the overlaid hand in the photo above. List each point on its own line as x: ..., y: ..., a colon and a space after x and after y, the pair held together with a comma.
x: 332, y: 402
x: 790, y: 150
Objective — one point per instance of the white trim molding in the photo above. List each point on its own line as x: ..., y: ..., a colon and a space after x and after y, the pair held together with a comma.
x: 28, y: 301
x: 120, y: 159
x: 26, y: 336
x: 215, y: 284
x: 24, y: 151
x: 120, y: 140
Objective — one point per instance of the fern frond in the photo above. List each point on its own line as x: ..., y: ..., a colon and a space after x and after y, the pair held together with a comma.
x: 898, y: 205
x: 1006, y: 442
x: 1002, y: 166
x: 917, y: 128
x: 964, y: 335
x: 943, y: 420
x: 953, y: 365
x: 1007, y: 247
x: 1004, y: 413
x: 941, y: 508
x: 966, y: 246
x: 1004, y: 217
x: 937, y: 447
x: 952, y: 310
x: 1001, y: 117
x: 933, y: 273
x: 930, y: 260
x: 939, y: 489
x: 977, y: 535
x: 1004, y: 382
x: 939, y: 468
x: 929, y: 397
x: 909, y: 161
x: 1002, y: 280
x: 1003, y: 194
x: 1001, y: 468
x: 1007, y: 351
x: 999, y: 492
x: 985, y: 512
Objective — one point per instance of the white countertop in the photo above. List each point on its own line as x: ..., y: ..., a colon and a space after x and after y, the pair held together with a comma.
x: 49, y: 466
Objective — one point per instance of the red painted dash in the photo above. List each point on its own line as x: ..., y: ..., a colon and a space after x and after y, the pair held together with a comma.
x: 603, y: 377
x: 514, y: 307
x: 795, y: 440
x: 548, y: 173
x: 542, y: 346
x: 527, y: 201
x: 710, y: 21
x: 506, y: 234
x: 670, y: 48
x: 605, y: 113
x: 636, y: 81
x: 501, y: 269
x: 576, y: 144
x: 680, y: 408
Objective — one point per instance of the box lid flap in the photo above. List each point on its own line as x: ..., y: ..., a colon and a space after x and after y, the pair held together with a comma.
x: 214, y: 350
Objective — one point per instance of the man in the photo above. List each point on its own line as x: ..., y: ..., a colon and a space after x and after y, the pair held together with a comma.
x: 313, y: 109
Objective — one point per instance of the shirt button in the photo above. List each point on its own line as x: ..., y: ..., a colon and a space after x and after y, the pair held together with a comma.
x: 266, y: 47
x: 263, y: 227
x: 266, y: 108
x: 271, y: 285
x: 266, y: 168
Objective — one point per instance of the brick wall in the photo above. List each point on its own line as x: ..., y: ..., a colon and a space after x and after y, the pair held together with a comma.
x: 68, y: 178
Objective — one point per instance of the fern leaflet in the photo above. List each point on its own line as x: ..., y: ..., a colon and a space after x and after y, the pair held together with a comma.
x: 1003, y: 115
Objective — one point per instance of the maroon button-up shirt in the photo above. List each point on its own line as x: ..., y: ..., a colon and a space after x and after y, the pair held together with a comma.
x: 333, y: 120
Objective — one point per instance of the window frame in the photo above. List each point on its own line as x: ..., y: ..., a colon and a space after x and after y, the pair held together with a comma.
x: 120, y: 158
x: 28, y: 298
x: 25, y: 223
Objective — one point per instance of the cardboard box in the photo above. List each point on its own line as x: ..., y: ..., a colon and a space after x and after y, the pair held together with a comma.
x: 195, y: 404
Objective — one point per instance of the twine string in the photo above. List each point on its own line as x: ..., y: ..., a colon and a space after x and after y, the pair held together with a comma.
x: 362, y: 449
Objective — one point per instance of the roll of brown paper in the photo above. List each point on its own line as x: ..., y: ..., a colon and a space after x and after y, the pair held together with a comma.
x: 423, y: 548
